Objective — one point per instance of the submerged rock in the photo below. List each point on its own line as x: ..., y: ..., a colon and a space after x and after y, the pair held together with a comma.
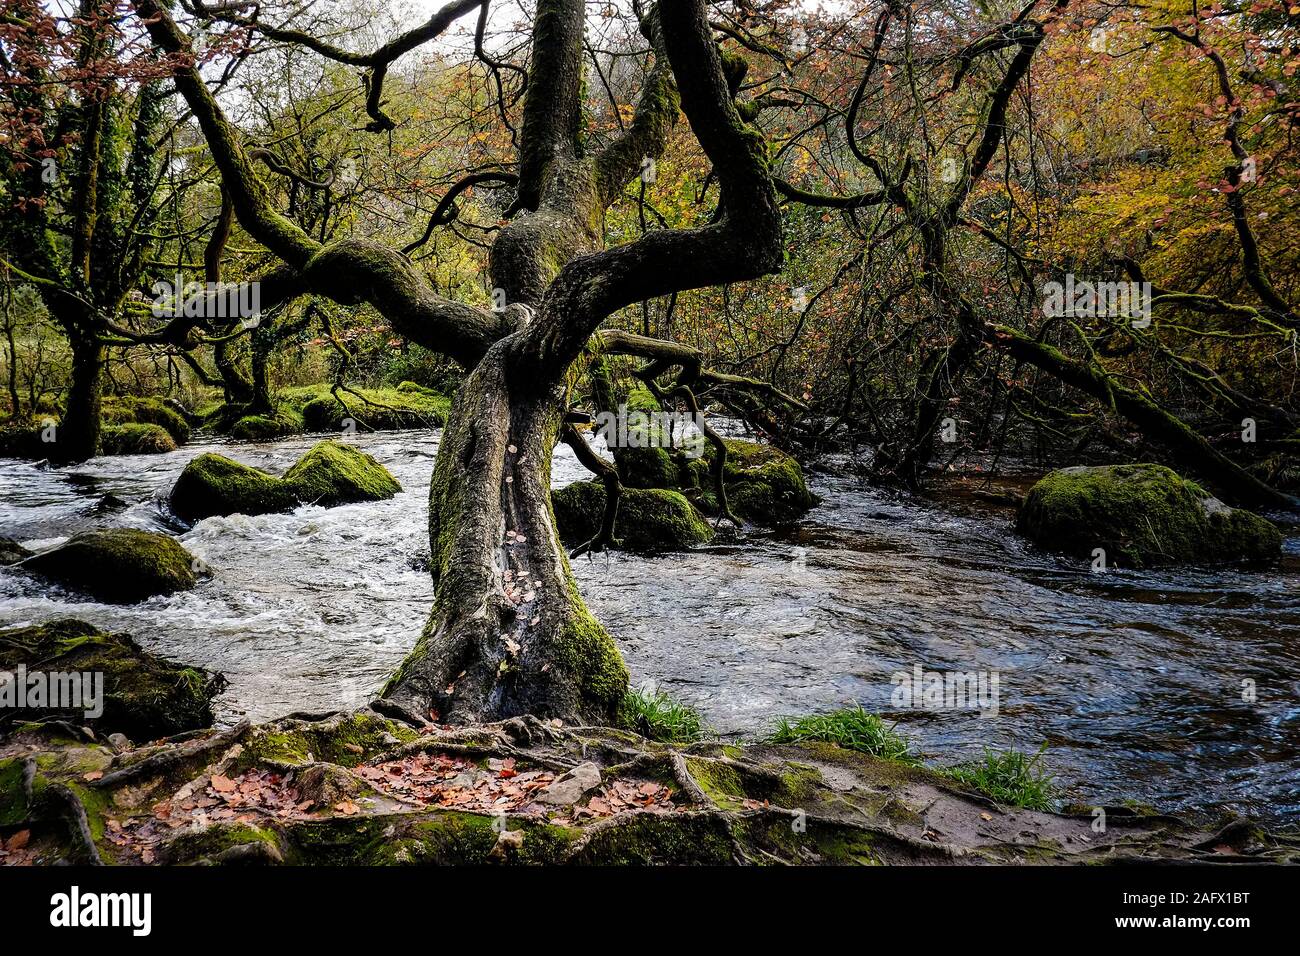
x: 117, y: 565
x: 11, y: 552
x: 649, y: 519
x: 1141, y: 515
x: 330, y: 474
x: 143, y: 696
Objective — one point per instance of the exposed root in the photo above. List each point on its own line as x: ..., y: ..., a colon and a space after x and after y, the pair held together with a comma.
x: 358, y: 788
x: 168, y: 757
x: 74, y: 812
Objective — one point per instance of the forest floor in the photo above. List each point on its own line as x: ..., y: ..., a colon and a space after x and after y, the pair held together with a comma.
x: 360, y: 788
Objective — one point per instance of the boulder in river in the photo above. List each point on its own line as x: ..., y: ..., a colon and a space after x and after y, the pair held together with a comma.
x: 649, y: 519
x: 764, y: 484
x: 143, y: 696
x: 1142, y: 515
x: 278, y: 424
x: 128, y: 410
x: 136, y: 439
x: 117, y: 565
x: 332, y: 473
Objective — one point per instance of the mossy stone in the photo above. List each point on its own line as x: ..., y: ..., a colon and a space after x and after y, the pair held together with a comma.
x: 135, y: 439
x: 145, y: 696
x: 649, y: 519
x: 280, y: 423
x: 1141, y: 515
x: 647, y: 468
x: 764, y: 484
x: 117, y: 565
x: 331, y: 473
x: 216, y: 485
x: 127, y: 410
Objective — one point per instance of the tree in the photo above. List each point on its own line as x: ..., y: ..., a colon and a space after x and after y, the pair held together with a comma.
x: 508, y: 633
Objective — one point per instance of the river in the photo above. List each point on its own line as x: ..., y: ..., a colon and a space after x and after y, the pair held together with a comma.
x: 1134, y: 680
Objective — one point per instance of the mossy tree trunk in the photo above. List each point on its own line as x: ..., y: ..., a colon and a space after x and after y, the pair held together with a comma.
x: 77, y: 436
x: 509, y: 634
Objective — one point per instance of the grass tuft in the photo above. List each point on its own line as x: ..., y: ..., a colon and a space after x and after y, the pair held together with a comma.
x: 850, y: 727
x: 1009, y: 777
x: 655, y: 715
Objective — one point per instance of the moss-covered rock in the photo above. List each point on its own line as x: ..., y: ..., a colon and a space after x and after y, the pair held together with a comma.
x: 379, y: 409
x: 333, y: 473
x: 117, y: 565
x: 144, y: 696
x: 648, y: 468
x: 135, y: 439
x: 216, y: 485
x: 764, y: 484
x: 127, y: 410
x: 1141, y: 515
x: 649, y: 519
x: 278, y: 424
x: 330, y: 474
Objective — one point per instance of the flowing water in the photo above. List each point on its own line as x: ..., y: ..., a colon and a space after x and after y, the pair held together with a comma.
x: 1134, y: 681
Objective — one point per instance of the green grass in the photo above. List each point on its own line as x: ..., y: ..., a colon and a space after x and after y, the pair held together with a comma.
x: 1009, y: 777
x: 655, y: 715
x: 852, y: 728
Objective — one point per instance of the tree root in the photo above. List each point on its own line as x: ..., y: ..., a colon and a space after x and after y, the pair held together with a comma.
x: 654, y: 803
x: 169, y: 757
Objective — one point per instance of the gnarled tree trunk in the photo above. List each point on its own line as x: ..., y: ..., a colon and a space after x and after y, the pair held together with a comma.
x: 509, y: 633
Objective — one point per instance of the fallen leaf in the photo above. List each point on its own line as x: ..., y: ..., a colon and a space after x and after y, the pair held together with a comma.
x: 93, y: 775
x: 222, y: 784
x: 18, y: 840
